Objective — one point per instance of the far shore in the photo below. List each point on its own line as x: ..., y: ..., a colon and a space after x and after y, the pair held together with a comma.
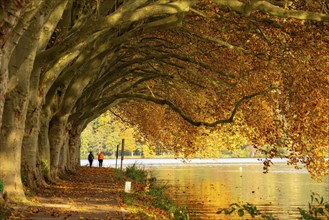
x: 111, y: 162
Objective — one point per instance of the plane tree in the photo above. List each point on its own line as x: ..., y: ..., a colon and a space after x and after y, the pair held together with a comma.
x: 279, y: 72
x: 202, y: 63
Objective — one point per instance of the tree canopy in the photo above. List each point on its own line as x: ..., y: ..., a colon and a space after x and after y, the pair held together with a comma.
x: 181, y: 71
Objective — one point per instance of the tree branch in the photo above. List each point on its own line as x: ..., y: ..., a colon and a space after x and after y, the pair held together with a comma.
x: 185, y: 116
x: 267, y: 7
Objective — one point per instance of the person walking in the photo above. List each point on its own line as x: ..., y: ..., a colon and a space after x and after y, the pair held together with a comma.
x: 90, y: 158
x: 100, y: 158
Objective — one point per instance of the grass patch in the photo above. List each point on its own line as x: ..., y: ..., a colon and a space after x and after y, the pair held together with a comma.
x: 136, y: 173
x: 1, y: 185
x: 129, y: 199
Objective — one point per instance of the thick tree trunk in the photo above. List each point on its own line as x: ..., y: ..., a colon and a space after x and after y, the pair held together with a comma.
x: 64, y: 155
x: 56, y: 141
x: 44, y: 145
x: 74, y: 146
x: 11, y: 137
x: 10, y: 16
x: 15, y: 109
x: 31, y: 164
x: 11, y: 31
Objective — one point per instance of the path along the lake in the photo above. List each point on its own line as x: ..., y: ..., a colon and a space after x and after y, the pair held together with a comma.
x: 91, y: 193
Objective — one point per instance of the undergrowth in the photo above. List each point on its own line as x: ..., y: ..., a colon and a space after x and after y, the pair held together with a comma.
x: 147, y: 192
x: 1, y: 185
x: 318, y: 209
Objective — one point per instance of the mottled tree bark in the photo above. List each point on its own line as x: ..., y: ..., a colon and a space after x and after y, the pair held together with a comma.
x: 74, y: 146
x: 11, y: 30
x: 43, y: 143
x: 31, y: 164
x: 56, y: 140
x: 14, y: 115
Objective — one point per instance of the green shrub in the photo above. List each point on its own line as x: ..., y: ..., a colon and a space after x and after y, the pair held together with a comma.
x: 160, y: 197
x: 180, y: 213
x: 156, y: 194
x: 162, y: 200
x: 136, y: 173
x: 317, y: 208
x: 1, y: 185
x: 129, y: 199
x: 241, y: 210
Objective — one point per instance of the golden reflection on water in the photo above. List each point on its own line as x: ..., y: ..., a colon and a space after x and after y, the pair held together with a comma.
x: 205, y: 188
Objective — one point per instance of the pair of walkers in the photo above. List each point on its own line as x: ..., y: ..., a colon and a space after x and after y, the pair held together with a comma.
x: 100, y: 159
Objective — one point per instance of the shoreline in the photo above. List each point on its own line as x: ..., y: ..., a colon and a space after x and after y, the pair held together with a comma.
x: 181, y: 161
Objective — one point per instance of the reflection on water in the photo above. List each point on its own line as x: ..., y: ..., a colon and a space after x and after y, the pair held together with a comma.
x: 206, y: 185
x: 207, y: 188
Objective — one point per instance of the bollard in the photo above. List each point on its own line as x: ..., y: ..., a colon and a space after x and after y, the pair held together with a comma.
x: 128, y: 187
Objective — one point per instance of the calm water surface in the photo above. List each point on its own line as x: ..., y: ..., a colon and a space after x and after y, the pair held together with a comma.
x: 206, y: 185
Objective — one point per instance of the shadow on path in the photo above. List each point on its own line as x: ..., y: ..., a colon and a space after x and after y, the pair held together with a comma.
x: 91, y: 193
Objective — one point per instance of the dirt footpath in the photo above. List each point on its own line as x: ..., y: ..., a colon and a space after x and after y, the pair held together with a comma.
x: 89, y: 194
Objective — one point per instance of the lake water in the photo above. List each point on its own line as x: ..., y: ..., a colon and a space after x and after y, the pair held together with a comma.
x: 206, y: 185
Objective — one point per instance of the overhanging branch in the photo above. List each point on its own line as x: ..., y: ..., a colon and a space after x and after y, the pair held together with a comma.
x: 185, y: 116
x: 267, y: 7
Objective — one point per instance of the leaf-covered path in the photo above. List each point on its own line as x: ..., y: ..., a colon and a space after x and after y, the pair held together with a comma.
x: 91, y: 193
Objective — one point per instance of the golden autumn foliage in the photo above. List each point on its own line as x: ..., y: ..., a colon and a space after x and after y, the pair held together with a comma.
x: 277, y: 67
x: 254, y: 73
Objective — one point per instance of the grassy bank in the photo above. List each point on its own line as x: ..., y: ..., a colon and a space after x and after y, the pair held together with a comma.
x: 148, y: 199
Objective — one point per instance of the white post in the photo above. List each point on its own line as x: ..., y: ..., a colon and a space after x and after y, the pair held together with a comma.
x: 128, y: 187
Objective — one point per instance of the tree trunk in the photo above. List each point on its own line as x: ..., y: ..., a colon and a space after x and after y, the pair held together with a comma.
x: 4, y: 60
x: 74, y: 146
x: 15, y: 109
x: 44, y: 145
x: 64, y: 155
x: 11, y: 137
x: 11, y: 31
x: 33, y: 167
x: 31, y: 164
x: 56, y: 140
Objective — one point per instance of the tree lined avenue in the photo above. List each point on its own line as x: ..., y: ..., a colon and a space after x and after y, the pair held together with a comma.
x: 186, y: 74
